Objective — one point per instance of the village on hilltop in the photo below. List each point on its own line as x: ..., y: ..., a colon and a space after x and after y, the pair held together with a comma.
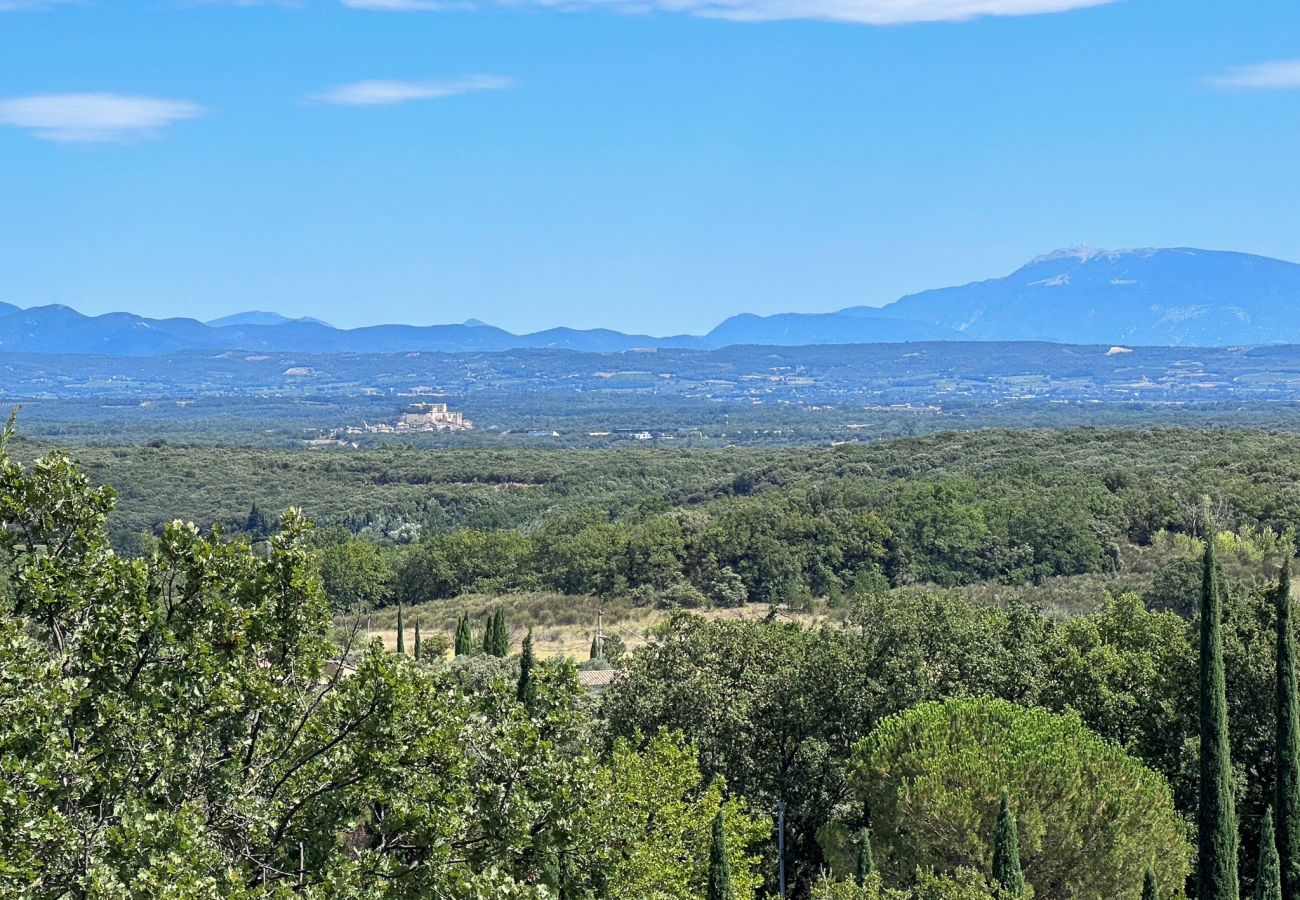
x: 418, y: 417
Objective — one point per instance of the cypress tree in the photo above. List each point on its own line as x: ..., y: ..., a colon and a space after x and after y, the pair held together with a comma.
x: 1287, y: 748
x: 1268, y: 877
x: 257, y: 524
x: 417, y: 637
x: 526, y: 691
x: 1216, y: 877
x: 401, y: 631
x: 719, y: 868
x: 1006, y: 853
x: 1150, y: 891
x: 866, y: 862
x: 500, y: 634
x: 488, y: 642
x: 595, y: 648
x: 464, y: 637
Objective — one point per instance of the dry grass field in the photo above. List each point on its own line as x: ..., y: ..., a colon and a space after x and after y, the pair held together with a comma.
x: 562, y: 625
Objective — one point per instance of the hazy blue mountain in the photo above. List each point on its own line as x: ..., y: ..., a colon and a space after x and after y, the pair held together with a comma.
x: 1176, y: 297
x: 865, y: 326
x: 602, y: 340
x: 60, y: 329
x: 258, y: 317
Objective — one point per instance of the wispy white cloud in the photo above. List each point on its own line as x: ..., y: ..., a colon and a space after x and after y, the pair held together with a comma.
x: 20, y: 5
x: 397, y: 5
x: 866, y: 12
x: 1279, y: 75
x: 390, y: 93
x: 94, y: 117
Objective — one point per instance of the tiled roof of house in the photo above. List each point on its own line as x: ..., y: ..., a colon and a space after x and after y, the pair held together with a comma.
x: 596, y: 679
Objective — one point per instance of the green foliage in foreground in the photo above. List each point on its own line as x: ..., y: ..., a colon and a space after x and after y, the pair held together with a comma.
x: 180, y: 726
x: 776, y: 708
x: 1286, y: 798
x: 963, y: 885
x: 1216, y: 877
x: 1091, y: 818
x: 177, y: 725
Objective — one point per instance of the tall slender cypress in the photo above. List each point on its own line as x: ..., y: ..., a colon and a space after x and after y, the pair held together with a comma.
x: 1006, y: 853
x: 595, y: 648
x: 488, y: 642
x: 526, y: 691
x: 1216, y: 877
x: 1286, y: 802
x: 1150, y: 890
x: 464, y: 637
x: 1268, y: 877
x: 866, y: 862
x: 418, y: 649
x: 719, y: 868
x: 401, y: 631
x: 500, y: 634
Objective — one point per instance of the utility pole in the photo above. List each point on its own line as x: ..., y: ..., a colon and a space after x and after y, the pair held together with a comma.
x: 780, y: 845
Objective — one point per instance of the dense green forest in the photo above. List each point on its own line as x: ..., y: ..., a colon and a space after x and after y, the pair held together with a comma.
x: 198, y: 713
x: 723, y: 527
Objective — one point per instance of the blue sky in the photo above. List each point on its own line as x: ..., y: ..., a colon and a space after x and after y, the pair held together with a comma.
x: 647, y: 165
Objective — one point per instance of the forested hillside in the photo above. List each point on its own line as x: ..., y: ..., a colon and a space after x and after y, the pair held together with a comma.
x: 731, y: 526
x: 202, y: 713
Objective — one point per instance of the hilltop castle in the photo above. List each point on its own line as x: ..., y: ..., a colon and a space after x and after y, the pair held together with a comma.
x: 418, y: 417
x: 431, y: 417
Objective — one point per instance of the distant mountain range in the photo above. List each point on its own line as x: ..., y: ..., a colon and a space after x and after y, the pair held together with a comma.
x: 1149, y: 297
x: 260, y: 317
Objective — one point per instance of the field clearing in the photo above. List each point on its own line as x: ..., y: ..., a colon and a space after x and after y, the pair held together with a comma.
x: 562, y: 626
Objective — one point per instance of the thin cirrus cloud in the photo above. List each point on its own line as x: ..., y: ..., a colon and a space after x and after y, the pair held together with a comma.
x: 865, y: 12
x: 1279, y: 75
x: 391, y: 93
x: 94, y: 118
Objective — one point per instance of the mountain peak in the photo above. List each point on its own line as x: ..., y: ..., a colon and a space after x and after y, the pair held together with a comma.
x: 1081, y: 253
x: 251, y: 317
x: 258, y: 317
x: 1086, y: 295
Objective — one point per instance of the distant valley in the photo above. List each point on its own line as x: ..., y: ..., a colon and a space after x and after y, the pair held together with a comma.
x: 1151, y: 297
